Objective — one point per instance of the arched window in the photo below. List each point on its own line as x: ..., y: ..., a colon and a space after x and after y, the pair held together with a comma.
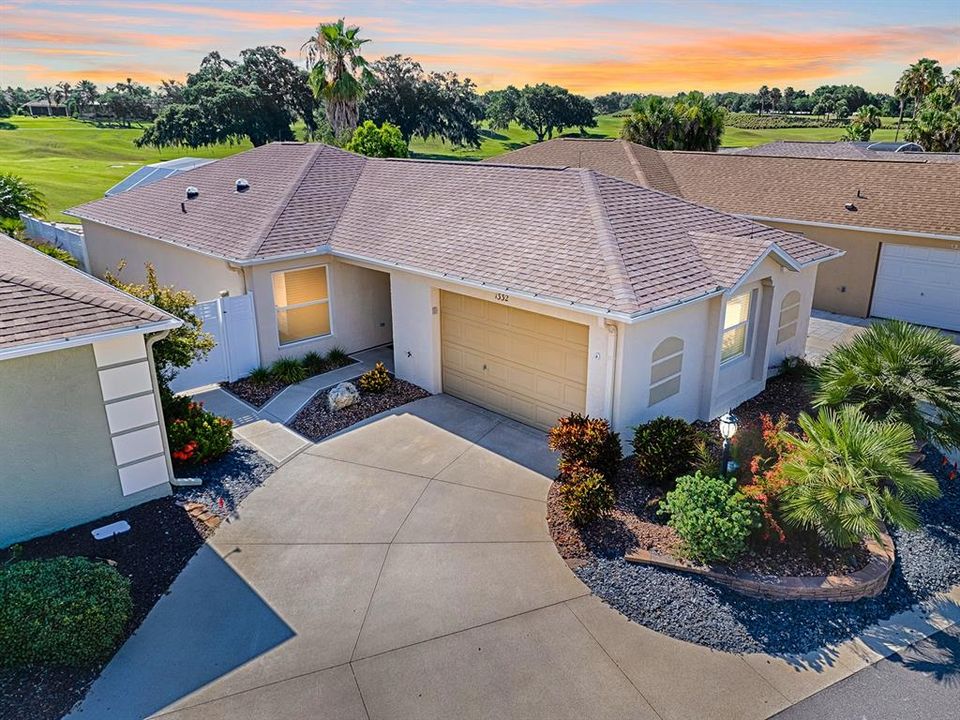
x: 789, y: 316
x: 665, y: 367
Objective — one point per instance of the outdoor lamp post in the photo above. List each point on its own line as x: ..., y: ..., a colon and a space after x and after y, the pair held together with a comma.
x: 728, y: 428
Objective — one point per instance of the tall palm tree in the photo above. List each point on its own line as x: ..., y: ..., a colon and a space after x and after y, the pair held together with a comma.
x: 701, y: 123
x: 929, y: 77
x: 85, y: 94
x: 898, y: 371
x: 848, y: 474
x: 902, y: 91
x: 863, y: 122
x: 48, y: 93
x: 652, y: 123
x: 338, y: 72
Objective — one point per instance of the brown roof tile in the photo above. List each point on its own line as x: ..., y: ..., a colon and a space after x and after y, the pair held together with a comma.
x: 41, y: 300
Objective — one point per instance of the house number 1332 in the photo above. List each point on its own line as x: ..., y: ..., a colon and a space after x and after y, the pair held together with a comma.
x: 502, y: 297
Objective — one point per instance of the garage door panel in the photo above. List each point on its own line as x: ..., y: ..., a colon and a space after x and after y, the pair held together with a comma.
x: 918, y: 284
x: 529, y: 366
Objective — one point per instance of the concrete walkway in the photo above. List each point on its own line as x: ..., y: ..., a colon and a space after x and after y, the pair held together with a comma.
x: 830, y: 329
x: 403, y: 569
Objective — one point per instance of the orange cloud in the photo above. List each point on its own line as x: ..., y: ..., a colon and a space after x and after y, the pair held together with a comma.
x: 75, y: 36
x: 88, y: 52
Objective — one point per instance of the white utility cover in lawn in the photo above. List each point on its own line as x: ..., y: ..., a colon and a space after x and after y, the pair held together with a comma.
x: 919, y: 285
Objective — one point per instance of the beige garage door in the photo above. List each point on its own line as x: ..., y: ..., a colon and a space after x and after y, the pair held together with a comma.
x: 525, y: 365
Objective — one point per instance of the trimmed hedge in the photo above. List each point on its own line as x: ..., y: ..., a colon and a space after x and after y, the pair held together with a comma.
x: 61, y: 611
x: 664, y: 449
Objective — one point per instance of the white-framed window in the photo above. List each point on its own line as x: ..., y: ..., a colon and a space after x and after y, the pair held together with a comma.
x: 736, y: 326
x: 666, y: 363
x: 789, y: 316
x: 301, y: 301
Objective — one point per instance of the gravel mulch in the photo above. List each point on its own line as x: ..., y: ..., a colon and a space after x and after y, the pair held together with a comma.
x: 161, y: 540
x: 259, y: 394
x: 316, y: 421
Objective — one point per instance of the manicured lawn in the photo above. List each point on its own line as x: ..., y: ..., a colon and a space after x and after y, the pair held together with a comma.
x: 72, y: 162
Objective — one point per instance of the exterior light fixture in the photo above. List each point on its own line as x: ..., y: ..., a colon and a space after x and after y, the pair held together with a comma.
x: 728, y: 428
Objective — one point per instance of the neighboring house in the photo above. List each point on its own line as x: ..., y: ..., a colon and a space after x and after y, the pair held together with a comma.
x: 848, y: 150
x: 43, y: 108
x: 154, y: 172
x: 80, y: 430
x: 897, y: 220
x: 531, y: 291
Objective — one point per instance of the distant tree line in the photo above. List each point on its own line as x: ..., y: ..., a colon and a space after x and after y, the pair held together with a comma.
x: 543, y: 109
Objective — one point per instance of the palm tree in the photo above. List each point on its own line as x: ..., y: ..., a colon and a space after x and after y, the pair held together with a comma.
x: 48, y: 93
x: 848, y: 474
x: 652, y: 123
x: 85, y: 95
x: 897, y: 371
x: 864, y: 121
x: 16, y: 196
x: 701, y: 123
x: 338, y: 72
x: 918, y: 81
x: 763, y: 97
x: 901, y: 91
x: 775, y: 97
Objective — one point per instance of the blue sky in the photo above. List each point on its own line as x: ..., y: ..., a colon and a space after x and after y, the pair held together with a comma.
x: 589, y: 46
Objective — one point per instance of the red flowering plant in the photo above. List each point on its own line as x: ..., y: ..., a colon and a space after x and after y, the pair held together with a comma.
x: 195, y: 435
x: 766, y: 482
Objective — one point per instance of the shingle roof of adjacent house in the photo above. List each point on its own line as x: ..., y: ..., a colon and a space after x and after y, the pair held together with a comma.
x: 563, y: 234
x: 914, y: 197
x: 841, y: 149
x: 42, y: 300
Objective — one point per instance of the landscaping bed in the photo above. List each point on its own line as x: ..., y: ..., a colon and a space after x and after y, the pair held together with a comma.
x: 161, y: 540
x: 263, y: 384
x: 316, y: 421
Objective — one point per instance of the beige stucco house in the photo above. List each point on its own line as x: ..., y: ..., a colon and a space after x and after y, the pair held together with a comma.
x: 531, y: 291
x: 81, y: 434
x: 896, y: 217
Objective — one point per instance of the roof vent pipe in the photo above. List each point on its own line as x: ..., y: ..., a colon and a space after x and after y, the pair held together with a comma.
x: 192, y: 192
x: 242, y: 185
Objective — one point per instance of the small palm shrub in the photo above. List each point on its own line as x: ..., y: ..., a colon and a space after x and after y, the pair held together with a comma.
x: 665, y: 449
x: 195, y: 435
x: 897, y: 371
x: 314, y: 363
x: 711, y: 516
x: 338, y: 357
x: 376, y: 380
x: 848, y: 474
x: 61, y: 611
x: 288, y: 370
x: 260, y: 375
x: 586, y: 496
x: 586, y: 442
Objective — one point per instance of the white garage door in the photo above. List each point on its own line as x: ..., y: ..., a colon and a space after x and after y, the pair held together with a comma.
x: 918, y: 284
x: 528, y: 366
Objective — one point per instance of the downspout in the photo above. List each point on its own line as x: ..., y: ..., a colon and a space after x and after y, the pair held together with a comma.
x: 610, y: 391
x: 151, y: 339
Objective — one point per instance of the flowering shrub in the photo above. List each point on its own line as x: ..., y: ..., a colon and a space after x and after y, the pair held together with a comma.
x: 195, y: 435
x: 766, y: 480
x: 586, y: 496
x: 585, y: 442
x: 376, y: 380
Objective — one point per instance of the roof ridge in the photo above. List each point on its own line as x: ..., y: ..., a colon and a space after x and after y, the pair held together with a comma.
x: 622, y: 288
x: 78, y: 295
x: 274, y: 216
x: 634, y: 163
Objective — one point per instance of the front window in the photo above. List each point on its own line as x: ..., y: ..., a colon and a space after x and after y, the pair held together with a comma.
x: 736, y: 327
x: 301, y: 299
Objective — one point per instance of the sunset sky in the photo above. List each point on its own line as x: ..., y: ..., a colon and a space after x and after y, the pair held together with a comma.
x: 589, y: 46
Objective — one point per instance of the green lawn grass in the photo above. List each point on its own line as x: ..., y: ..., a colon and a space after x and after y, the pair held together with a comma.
x: 72, y: 162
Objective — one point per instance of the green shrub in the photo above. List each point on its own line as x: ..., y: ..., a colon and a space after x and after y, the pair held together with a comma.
x: 314, y: 363
x: 795, y: 366
x: 288, y: 370
x: 711, y: 516
x: 583, y: 441
x: 58, y: 253
x: 338, y: 358
x: 586, y: 496
x: 61, y: 611
x: 260, y: 375
x: 195, y: 435
x: 664, y: 449
x: 376, y: 380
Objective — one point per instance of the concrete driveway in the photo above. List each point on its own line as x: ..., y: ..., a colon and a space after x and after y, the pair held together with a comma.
x: 404, y: 570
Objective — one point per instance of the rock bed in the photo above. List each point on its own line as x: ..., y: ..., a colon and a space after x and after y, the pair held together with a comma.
x: 316, y: 421
x: 696, y: 610
x: 161, y: 540
x: 259, y: 394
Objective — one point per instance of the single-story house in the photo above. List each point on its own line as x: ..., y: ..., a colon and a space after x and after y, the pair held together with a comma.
x: 897, y: 218
x: 43, y: 108
x: 81, y: 435
x: 531, y: 291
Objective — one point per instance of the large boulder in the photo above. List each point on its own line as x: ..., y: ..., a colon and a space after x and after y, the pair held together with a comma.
x: 343, y: 395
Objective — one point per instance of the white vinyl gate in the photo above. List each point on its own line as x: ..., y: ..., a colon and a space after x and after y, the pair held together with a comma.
x: 233, y: 325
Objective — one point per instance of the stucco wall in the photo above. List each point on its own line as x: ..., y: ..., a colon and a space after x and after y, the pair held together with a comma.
x: 57, y: 467
x: 202, y: 275
x: 359, y: 308
x: 845, y: 285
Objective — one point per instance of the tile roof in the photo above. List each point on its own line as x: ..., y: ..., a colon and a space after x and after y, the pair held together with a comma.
x: 43, y: 300
x: 906, y: 195
x: 564, y: 234
x: 840, y: 149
